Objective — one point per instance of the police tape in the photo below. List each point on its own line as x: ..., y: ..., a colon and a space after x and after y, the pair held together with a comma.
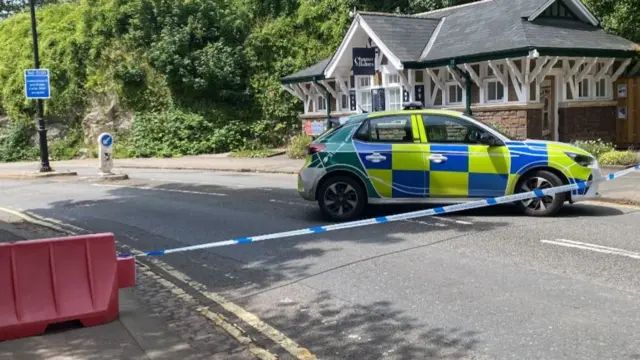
x: 538, y: 193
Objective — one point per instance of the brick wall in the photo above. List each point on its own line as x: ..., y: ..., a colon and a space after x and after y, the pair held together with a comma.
x: 513, y: 122
x: 587, y: 123
x: 534, y: 125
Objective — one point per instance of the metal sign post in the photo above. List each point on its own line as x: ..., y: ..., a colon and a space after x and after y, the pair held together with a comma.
x: 105, y: 154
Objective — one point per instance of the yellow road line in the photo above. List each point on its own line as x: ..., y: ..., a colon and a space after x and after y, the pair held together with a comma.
x: 265, y: 329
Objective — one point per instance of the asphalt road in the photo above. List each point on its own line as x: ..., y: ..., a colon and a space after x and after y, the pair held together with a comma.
x: 483, y: 284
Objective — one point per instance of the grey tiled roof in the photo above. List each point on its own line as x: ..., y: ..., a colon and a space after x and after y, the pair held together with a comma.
x: 482, y: 28
x: 566, y: 33
x: 316, y: 69
x: 405, y: 36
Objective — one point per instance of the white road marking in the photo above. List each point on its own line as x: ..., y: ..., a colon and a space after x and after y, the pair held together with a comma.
x: 453, y: 220
x: 290, y: 202
x: 425, y: 223
x: 593, y: 247
x: 252, y: 320
x: 160, y: 189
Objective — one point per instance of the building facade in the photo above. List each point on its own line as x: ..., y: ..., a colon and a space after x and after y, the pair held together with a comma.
x: 539, y: 69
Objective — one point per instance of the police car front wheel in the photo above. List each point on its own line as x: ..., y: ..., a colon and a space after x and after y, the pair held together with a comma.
x: 341, y: 198
x: 546, y: 205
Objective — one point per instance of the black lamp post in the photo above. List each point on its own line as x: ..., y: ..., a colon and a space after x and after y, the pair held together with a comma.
x: 42, y: 131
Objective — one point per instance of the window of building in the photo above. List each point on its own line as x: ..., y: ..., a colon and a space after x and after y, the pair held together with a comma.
x: 386, y: 129
x: 364, y: 92
x: 446, y: 130
x: 494, y: 90
x: 321, y: 104
x: 584, y: 85
x: 394, y: 92
x: 603, y: 84
x: 454, y: 94
x: 344, y: 102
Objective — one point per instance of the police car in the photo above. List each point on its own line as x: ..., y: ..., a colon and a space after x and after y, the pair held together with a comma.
x: 436, y: 156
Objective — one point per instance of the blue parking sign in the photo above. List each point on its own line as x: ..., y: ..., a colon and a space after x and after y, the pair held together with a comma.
x: 36, y: 84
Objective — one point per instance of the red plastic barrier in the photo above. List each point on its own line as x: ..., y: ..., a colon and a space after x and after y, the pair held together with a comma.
x: 49, y: 281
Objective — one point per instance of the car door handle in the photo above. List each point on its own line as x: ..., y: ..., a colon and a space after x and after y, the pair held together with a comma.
x: 437, y: 158
x: 376, y: 158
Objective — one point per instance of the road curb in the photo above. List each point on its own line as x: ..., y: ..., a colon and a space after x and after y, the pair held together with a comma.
x: 239, y: 170
x: 36, y: 175
x: 627, y: 202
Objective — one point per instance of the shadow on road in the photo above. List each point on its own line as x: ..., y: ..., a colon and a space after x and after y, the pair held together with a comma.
x: 145, y: 219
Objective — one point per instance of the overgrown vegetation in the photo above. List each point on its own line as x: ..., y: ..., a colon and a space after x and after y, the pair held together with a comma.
x: 595, y: 147
x: 623, y: 158
x: 298, y: 147
x: 198, y: 76
x: 606, y: 154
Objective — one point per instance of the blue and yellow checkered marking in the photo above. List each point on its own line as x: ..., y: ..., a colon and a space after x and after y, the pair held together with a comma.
x: 402, y: 174
x: 469, y: 171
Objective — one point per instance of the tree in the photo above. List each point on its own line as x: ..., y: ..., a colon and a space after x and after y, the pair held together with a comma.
x: 621, y: 17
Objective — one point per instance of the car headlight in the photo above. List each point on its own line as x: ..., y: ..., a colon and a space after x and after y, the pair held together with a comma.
x: 582, y: 160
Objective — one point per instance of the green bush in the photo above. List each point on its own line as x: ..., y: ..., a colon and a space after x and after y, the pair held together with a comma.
x: 177, y: 132
x: 298, y: 147
x: 68, y: 147
x: 595, y: 147
x: 15, y: 142
x: 623, y: 158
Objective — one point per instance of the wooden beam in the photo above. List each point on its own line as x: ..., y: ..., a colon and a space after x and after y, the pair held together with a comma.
x: 294, y: 91
x: 586, y: 70
x: 514, y: 70
x: 341, y: 85
x: 498, y: 74
x: 439, y: 83
x: 288, y: 89
x: 620, y: 70
x: 574, y: 70
x: 547, y: 69
x: 518, y: 84
x: 539, y: 65
x: 473, y: 74
x: 329, y: 88
x: 303, y: 89
x: 319, y: 90
x: 404, y: 81
x: 635, y: 68
x: 526, y: 88
x: 456, y: 76
x: 605, y: 69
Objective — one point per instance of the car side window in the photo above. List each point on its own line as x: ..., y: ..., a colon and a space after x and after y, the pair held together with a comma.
x: 450, y: 130
x: 387, y: 129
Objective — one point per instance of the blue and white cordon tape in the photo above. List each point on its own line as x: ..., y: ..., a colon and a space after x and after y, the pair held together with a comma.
x: 410, y: 215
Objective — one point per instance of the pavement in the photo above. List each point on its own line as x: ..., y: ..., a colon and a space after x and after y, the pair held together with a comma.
x: 157, y: 321
x: 480, y: 284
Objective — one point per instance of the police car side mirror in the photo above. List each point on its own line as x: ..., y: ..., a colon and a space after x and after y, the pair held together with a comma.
x: 486, y: 138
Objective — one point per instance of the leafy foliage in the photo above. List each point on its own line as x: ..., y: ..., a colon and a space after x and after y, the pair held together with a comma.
x: 15, y: 142
x: 623, y: 158
x: 595, y: 147
x: 618, y: 16
x: 298, y: 147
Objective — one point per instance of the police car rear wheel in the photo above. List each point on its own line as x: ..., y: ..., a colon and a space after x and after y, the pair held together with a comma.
x: 548, y: 204
x: 341, y: 198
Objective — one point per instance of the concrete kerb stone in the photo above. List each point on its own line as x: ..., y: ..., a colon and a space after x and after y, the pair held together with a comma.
x: 209, y: 168
x: 36, y: 175
x: 112, y: 177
